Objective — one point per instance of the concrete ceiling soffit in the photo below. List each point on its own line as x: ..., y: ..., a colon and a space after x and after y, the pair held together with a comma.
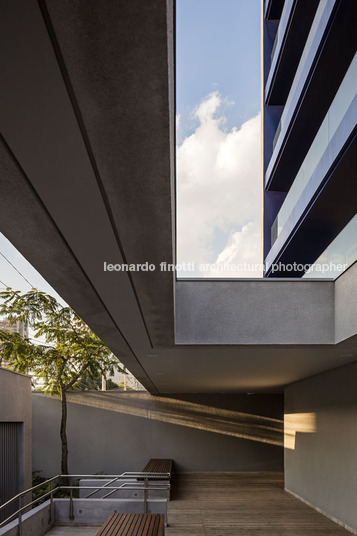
x: 117, y: 61
x: 105, y: 184
x: 27, y: 224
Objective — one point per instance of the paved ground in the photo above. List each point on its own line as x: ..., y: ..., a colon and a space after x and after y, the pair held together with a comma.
x: 73, y: 531
x: 251, y: 504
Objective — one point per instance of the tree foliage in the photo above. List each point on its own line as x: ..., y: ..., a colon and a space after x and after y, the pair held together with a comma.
x: 63, y: 349
x: 94, y: 383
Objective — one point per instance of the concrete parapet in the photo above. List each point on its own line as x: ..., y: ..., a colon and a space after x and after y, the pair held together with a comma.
x: 123, y: 493
x: 34, y: 523
x: 93, y: 511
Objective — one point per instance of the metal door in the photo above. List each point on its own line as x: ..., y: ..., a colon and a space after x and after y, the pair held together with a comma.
x: 10, y: 464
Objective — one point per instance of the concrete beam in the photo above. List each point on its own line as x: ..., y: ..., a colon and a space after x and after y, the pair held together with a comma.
x: 257, y: 312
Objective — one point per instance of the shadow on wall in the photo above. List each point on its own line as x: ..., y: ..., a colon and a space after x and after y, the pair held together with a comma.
x: 188, y: 414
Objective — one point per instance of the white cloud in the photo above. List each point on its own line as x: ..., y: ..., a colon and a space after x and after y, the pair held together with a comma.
x: 219, y: 191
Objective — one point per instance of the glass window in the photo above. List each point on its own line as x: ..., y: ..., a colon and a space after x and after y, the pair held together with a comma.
x: 345, y: 95
x: 339, y: 255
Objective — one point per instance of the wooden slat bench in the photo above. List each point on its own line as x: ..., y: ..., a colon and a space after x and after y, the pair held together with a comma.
x: 133, y: 525
x: 157, y: 465
x: 161, y: 467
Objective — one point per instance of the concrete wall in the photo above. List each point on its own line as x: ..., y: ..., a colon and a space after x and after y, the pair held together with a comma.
x: 255, y: 312
x: 15, y: 406
x: 321, y: 439
x: 96, y: 511
x: 34, y: 523
x: 346, y: 304
x: 112, y: 432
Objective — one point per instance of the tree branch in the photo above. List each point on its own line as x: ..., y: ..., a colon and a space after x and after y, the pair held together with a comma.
x: 78, y: 375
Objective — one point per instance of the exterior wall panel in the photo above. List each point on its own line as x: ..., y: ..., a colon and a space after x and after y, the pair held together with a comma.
x: 15, y: 434
x: 320, y: 453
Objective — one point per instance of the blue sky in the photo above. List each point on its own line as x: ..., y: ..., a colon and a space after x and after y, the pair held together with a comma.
x: 218, y: 48
x: 218, y: 160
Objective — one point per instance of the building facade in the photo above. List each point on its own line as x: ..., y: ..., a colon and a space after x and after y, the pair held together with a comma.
x: 310, y: 148
x: 18, y: 327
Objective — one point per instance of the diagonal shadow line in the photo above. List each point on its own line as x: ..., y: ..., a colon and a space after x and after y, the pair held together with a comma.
x: 182, y: 413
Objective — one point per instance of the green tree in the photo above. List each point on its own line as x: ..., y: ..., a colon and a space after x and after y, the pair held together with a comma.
x: 70, y: 350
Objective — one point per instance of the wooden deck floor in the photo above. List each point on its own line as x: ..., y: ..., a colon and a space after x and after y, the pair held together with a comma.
x: 250, y: 504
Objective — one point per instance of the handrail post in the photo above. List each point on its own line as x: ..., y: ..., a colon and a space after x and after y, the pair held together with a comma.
x: 52, y: 517
x: 71, y: 515
x: 145, y: 495
x: 20, y: 516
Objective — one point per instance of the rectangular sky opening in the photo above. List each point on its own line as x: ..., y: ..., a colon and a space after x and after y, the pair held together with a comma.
x: 218, y: 129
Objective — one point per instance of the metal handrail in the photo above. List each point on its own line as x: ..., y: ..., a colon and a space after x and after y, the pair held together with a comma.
x: 115, y: 488
x: 105, y: 485
x: 20, y: 510
x: 146, y: 486
x: 130, y: 474
x: 125, y: 484
x: 127, y: 474
x: 22, y: 493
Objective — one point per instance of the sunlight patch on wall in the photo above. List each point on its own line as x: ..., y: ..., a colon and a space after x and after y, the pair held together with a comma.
x: 297, y: 423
